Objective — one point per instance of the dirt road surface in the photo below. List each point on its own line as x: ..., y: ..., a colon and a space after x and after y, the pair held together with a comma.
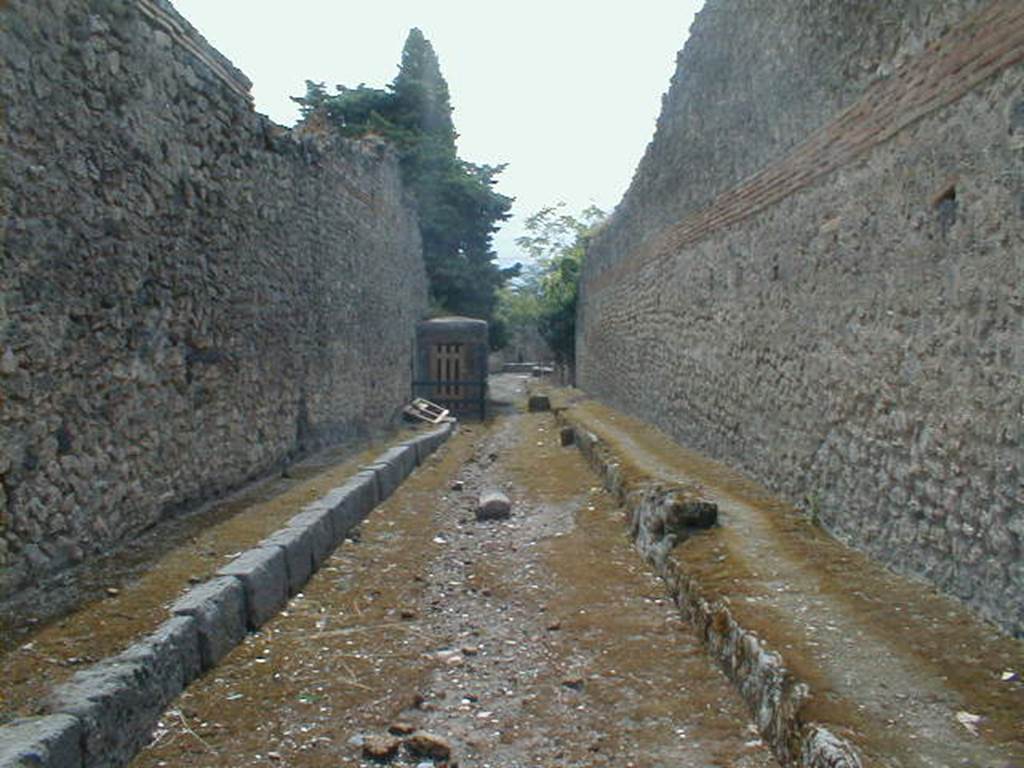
x: 539, y: 640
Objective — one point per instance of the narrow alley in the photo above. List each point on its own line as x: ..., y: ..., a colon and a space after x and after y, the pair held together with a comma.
x: 538, y: 640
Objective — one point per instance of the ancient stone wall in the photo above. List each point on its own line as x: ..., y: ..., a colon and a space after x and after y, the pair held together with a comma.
x: 189, y: 294
x: 839, y: 308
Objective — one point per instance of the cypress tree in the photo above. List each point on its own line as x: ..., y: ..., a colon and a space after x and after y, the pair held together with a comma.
x: 458, y: 207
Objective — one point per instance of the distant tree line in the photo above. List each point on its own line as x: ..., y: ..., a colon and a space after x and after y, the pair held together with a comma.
x: 459, y: 209
x: 545, y: 295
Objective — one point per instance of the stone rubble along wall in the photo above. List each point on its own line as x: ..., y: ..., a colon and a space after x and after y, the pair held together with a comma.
x: 190, y: 295
x: 848, y: 326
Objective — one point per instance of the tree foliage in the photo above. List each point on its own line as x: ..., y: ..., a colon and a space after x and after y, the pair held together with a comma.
x: 546, y: 293
x: 459, y: 209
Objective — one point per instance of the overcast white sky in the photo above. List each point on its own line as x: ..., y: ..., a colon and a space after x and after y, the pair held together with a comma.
x: 566, y: 92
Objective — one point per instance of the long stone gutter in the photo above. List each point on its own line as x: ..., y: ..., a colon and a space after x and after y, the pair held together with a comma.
x: 772, y: 692
x: 105, y: 714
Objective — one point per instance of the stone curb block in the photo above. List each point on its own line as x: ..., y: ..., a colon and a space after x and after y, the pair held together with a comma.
x: 297, y: 544
x: 403, y: 455
x: 218, y: 607
x: 47, y: 742
x: 429, y: 442
x: 389, y: 477
x: 315, y: 518
x: 171, y: 654
x: 352, y: 502
x: 264, y: 574
x: 120, y: 700
x: 770, y: 690
x: 392, y: 467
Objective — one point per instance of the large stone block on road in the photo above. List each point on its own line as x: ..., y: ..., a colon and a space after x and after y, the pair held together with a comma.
x: 264, y: 575
x: 297, y: 544
x: 47, y: 742
x: 493, y: 505
x: 218, y: 607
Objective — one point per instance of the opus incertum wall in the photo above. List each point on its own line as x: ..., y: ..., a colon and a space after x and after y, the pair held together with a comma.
x: 817, y: 275
x: 189, y: 294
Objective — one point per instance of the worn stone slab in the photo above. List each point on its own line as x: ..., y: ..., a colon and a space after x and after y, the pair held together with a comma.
x: 389, y: 477
x: 297, y: 543
x: 352, y: 502
x: 428, y: 442
x: 120, y: 700
x: 218, y: 606
x: 111, y: 700
x: 402, y: 455
x: 170, y: 654
x: 316, y: 518
x: 53, y: 741
x: 419, y: 448
x: 493, y: 505
x: 264, y: 574
x: 440, y: 435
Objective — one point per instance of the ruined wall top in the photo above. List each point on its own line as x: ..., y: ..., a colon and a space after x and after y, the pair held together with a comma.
x: 165, y: 18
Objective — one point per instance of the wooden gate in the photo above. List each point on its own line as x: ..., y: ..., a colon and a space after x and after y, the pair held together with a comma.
x: 448, y: 363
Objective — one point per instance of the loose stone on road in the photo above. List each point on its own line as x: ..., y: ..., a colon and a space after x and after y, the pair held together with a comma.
x: 536, y: 639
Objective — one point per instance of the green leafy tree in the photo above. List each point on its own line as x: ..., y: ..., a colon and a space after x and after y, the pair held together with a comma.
x: 547, y: 292
x: 459, y: 209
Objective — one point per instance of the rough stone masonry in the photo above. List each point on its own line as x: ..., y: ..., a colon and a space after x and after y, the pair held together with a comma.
x: 817, y: 275
x: 189, y: 294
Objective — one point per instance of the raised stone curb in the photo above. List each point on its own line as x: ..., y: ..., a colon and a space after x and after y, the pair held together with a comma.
x: 264, y: 574
x: 351, y: 503
x: 218, y: 607
x: 390, y: 471
x: 118, y: 701
x: 315, y: 519
x: 392, y: 467
x: 43, y: 742
x: 297, y: 544
x: 104, y: 714
x: 773, y: 694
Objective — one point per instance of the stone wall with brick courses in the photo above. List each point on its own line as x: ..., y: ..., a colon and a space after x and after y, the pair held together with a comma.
x: 847, y: 324
x: 190, y: 295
